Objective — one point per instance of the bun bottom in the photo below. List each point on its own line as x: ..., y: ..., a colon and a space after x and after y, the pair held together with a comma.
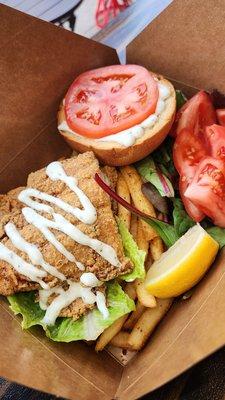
x: 121, y: 156
x: 114, y: 154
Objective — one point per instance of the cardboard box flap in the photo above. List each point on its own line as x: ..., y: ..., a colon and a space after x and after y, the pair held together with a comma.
x: 186, y: 43
x: 64, y: 369
x: 192, y: 330
x: 38, y: 63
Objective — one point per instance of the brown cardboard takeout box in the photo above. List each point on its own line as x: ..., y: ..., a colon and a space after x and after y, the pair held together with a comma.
x: 38, y: 62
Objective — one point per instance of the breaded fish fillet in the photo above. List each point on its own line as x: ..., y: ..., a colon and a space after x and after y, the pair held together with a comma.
x: 83, y: 167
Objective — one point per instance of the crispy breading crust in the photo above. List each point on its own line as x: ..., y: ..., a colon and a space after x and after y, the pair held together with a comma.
x: 84, y: 167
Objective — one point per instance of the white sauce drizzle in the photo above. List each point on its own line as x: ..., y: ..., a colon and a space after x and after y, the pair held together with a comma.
x: 31, y: 250
x: 89, y: 279
x: 87, y: 215
x: 22, y: 267
x: 61, y: 224
x: 129, y: 136
x: 26, y: 195
x: 43, y: 224
x: 64, y: 299
x: 45, y: 294
x: 101, y: 304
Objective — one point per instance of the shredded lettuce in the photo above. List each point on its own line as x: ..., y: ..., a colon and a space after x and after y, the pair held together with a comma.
x: 88, y: 327
x: 132, y: 251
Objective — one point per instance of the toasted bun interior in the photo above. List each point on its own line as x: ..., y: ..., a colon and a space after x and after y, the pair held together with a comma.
x: 113, y: 153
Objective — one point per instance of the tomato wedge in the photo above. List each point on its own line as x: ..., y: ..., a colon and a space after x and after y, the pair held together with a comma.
x: 108, y: 100
x: 188, y: 150
x: 207, y: 190
x: 220, y: 113
x: 191, y: 144
x: 215, y: 135
x: 196, y: 114
x: 193, y: 211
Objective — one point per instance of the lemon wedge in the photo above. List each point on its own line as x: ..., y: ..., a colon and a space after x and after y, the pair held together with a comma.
x: 182, y: 265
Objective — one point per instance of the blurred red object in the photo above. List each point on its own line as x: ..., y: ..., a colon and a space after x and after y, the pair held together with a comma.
x: 107, y: 9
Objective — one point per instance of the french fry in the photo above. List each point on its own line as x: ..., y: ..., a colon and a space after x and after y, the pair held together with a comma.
x: 134, y: 226
x: 123, y: 191
x: 148, y: 261
x: 121, y: 340
x: 147, y: 323
x: 134, y: 316
x: 109, y: 333
x: 130, y: 290
x: 142, y: 242
x: 156, y: 247
x: 144, y: 297
x: 134, y: 184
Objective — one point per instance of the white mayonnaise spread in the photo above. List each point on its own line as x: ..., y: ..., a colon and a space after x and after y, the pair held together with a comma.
x: 129, y: 136
x: 38, y: 269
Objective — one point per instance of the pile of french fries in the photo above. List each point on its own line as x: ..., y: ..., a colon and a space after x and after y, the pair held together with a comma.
x: 131, y: 331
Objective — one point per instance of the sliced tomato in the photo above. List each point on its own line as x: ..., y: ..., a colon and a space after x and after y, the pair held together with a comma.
x: 215, y: 135
x: 220, y: 113
x: 207, y: 189
x: 191, y: 145
x: 188, y: 150
x: 195, y: 115
x: 193, y: 211
x: 108, y: 100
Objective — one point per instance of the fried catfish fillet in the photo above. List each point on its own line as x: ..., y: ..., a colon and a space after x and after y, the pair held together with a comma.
x: 83, y: 167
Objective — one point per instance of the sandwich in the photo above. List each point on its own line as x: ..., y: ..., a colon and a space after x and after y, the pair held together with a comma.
x: 97, y: 246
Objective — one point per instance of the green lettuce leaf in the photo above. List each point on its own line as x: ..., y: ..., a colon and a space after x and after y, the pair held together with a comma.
x: 163, y: 157
x: 24, y: 303
x: 182, y: 221
x: 147, y: 169
x: 132, y: 251
x: 166, y: 231
x: 88, y: 327
x: 180, y: 99
x: 218, y: 234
